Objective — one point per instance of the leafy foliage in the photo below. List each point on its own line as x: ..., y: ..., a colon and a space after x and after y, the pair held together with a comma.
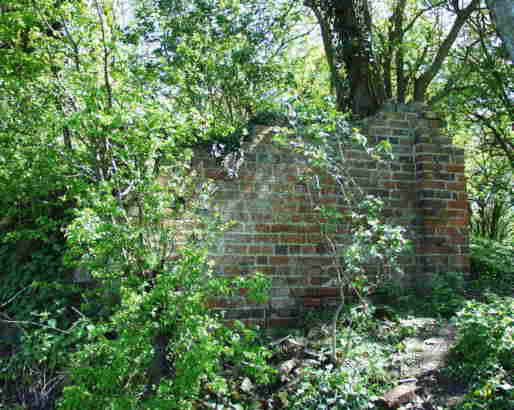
x: 485, y: 351
x: 221, y: 61
x: 164, y: 344
x: 395, y: 51
x: 104, y: 297
x: 447, y: 295
x: 492, y: 265
x: 97, y: 174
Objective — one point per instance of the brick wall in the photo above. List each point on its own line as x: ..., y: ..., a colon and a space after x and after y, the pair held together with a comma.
x: 277, y: 229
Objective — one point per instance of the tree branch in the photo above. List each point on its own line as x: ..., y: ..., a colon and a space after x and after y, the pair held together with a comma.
x: 105, y: 56
x: 422, y: 83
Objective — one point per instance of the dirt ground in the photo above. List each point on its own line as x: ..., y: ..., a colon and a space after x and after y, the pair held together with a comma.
x: 419, y: 369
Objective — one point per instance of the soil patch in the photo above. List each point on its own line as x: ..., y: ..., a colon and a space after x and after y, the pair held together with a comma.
x: 420, y: 369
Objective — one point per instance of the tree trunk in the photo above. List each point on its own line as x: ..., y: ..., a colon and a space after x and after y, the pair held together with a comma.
x: 346, y: 31
x: 503, y: 17
x: 352, y: 24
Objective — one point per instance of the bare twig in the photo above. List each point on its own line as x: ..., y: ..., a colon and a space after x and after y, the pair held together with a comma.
x: 28, y: 322
x: 14, y: 297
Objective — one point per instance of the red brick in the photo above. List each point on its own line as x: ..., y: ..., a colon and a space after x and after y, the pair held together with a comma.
x: 311, y: 228
x: 312, y: 238
x: 261, y: 217
x: 234, y: 237
x: 458, y: 222
x: 315, y: 260
x: 297, y: 281
x: 296, y: 218
x: 402, y: 175
x: 329, y: 191
x: 303, y: 209
x: 311, y: 302
x: 327, y: 181
x: 249, y: 195
x: 319, y: 280
x: 279, y: 260
x: 234, y: 260
x: 328, y: 292
x: 343, y: 229
x: 232, y: 270
x: 292, y: 238
x: 459, y: 204
x: 249, y: 177
x: 327, y: 200
x: 215, y: 174
x: 267, y: 238
x: 262, y: 228
x: 243, y: 291
x: 455, y: 168
x: 259, y: 250
x: 424, y: 158
x: 212, y: 302
x: 434, y: 250
x: 290, y: 170
x: 430, y: 185
x: 284, y: 208
x: 279, y: 228
x: 290, y: 219
x: 461, y: 259
x: 456, y: 186
x: 266, y: 270
x: 458, y: 240
x: 426, y: 148
x: 300, y: 198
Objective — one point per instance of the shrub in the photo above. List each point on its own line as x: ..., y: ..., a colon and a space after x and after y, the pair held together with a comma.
x: 447, y: 294
x: 492, y: 265
x: 161, y: 346
x: 484, y: 353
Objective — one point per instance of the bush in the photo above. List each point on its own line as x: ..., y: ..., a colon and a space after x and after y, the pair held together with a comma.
x: 484, y: 353
x: 492, y: 265
x: 447, y: 294
x: 36, y: 313
x: 161, y: 347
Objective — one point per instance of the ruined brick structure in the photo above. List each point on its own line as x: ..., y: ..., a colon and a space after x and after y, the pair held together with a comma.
x: 277, y: 230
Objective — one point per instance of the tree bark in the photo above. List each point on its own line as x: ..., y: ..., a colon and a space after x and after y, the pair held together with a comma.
x: 503, y: 17
x: 346, y: 30
x: 396, y: 40
x: 421, y: 84
x: 352, y: 23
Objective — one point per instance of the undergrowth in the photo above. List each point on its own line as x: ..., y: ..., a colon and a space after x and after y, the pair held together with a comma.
x: 484, y: 353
